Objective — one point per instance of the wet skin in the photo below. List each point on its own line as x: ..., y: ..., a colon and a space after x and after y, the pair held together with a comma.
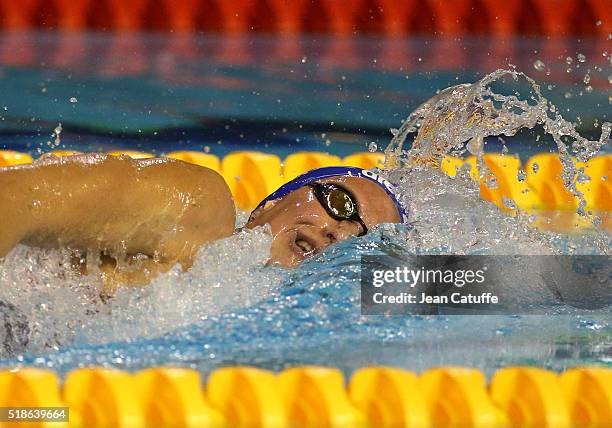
x: 142, y: 216
x: 302, y: 227
x: 162, y: 209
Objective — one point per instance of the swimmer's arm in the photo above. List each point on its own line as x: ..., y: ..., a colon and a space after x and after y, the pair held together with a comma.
x: 158, y: 207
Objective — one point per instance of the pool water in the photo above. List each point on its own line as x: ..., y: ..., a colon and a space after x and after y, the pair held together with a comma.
x: 157, y: 93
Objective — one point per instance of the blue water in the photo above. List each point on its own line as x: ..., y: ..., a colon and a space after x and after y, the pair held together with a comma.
x: 313, y: 317
x: 169, y: 92
x: 161, y: 93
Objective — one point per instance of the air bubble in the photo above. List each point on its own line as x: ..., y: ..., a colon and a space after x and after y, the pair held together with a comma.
x: 74, y: 100
x: 581, y: 57
x: 372, y: 147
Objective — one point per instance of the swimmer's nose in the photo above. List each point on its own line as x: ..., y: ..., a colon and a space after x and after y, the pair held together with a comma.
x: 339, y: 232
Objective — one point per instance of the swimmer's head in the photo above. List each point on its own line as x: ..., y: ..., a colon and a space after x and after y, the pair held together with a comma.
x: 324, y: 206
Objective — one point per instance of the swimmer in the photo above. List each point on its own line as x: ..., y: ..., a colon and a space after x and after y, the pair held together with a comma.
x: 143, y: 216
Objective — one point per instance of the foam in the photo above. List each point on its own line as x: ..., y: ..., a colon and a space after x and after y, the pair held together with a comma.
x: 61, y: 306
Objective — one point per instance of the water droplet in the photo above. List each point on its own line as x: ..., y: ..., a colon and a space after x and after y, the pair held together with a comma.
x: 304, y: 59
x: 74, y: 100
x: 582, y: 178
x: 587, y: 79
x: 372, y: 147
x: 475, y: 145
x: 589, y: 89
x: 567, y: 95
x: 535, y: 167
x: 328, y: 142
x: 581, y: 57
x: 598, y: 23
x: 508, y: 203
x: 539, y: 65
x: 521, y: 175
x: 569, y: 60
x: 610, y: 79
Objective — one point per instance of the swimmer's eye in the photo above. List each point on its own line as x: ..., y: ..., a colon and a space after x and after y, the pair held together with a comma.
x: 338, y: 202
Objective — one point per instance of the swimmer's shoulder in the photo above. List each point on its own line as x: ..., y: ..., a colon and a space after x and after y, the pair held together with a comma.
x: 123, y: 169
x: 203, y: 183
x: 118, y: 162
x: 50, y: 160
x: 181, y: 171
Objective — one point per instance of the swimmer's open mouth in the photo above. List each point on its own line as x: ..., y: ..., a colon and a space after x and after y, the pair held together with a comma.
x: 303, y: 246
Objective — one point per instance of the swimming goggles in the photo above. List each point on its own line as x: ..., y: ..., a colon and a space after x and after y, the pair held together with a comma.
x: 338, y: 171
x: 339, y: 203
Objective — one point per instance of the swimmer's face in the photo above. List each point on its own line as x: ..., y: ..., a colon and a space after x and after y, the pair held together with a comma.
x: 301, y: 226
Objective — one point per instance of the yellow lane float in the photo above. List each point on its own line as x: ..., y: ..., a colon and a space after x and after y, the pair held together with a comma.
x: 314, y: 397
x: 536, y: 186
x: 10, y: 158
x: 298, y: 163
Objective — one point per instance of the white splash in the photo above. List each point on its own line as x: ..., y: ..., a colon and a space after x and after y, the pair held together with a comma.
x: 461, y: 117
x: 61, y: 306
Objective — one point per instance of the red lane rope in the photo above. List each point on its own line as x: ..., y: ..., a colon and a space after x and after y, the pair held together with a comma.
x: 446, y: 17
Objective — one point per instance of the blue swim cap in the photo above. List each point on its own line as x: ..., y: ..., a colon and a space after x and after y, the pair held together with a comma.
x: 338, y: 171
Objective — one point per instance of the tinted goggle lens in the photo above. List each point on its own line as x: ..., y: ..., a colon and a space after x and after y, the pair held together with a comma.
x: 340, y: 203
